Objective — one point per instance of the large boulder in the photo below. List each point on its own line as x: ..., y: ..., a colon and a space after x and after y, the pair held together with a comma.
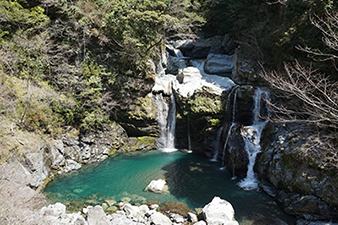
x: 245, y: 70
x: 158, y: 218
x: 219, y: 212
x: 157, y: 186
x: 56, y: 210
x: 200, y: 47
x: 219, y: 64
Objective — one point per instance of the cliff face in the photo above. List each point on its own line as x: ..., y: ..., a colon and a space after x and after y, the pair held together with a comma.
x: 296, y: 165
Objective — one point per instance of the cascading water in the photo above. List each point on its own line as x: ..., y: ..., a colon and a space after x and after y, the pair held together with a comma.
x: 225, y: 145
x: 219, y: 133
x: 166, y: 116
x: 189, y: 140
x: 171, y: 125
x: 217, y: 144
x: 251, y: 136
x: 162, y: 114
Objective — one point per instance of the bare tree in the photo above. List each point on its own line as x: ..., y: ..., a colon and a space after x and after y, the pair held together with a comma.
x: 317, y: 95
x: 329, y: 29
x: 303, y: 94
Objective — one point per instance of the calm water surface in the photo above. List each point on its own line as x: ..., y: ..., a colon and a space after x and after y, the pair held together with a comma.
x: 191, y: 178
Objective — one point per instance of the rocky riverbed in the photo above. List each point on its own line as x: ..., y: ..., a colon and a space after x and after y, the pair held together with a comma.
x: 218, y: 211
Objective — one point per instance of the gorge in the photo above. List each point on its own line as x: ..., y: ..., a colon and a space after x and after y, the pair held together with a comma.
x: 232, y: 143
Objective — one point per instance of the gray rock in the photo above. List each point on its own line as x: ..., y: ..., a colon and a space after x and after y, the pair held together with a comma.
x: 110, y: 202
x: 36, y: 165
x: 174, y: 64
x: 219, y: 64
x: 228, y: 45
x: 183, y: 45
x: 285, y: 164
x: 203, y: 47
x: 56, y: 210
x: 245, y: 70
x: 96, y: 216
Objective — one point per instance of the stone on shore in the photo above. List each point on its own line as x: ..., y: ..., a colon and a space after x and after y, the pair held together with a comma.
x: 219, y: 212
x: 96, y: 216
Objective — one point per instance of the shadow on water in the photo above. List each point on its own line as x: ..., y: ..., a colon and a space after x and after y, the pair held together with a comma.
x: 196, y: 181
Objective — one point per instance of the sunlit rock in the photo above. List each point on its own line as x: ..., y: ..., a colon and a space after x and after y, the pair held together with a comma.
x: 157, y: 186
x: 56, y: 210
x: 219, y: 212
x: 158, y: 218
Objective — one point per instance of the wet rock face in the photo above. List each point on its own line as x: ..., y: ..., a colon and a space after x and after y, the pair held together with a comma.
x: 289, y: 166
x: 245, y: 70
x: 235, y: 155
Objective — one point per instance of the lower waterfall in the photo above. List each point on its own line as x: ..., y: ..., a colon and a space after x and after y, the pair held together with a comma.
x: 166, y: 115
x: 252, y: 136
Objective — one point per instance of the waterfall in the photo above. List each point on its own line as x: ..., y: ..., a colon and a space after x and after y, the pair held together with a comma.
x: 171, y: 125
x: 189, y: 140
x: 162, y: 114
x: 226, y: 144
x: 166, y: 116
x: 251, y: 136
x: 217, y: 144
x: 219, y: 133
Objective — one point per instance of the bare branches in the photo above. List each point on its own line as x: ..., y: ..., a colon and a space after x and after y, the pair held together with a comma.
x: 316, y: 94
x: 329, y: 29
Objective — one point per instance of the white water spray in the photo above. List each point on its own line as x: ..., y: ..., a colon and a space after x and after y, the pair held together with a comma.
x: 251, y: 136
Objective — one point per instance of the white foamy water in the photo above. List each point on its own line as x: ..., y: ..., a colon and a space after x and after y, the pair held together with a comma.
x: 252, y: 136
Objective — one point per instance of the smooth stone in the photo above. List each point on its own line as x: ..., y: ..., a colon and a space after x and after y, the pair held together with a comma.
x: 219, y: 211
x: 158, y: 218
x: 219, y: 64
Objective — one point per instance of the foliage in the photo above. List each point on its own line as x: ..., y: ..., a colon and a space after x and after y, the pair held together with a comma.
x: 93, y: 53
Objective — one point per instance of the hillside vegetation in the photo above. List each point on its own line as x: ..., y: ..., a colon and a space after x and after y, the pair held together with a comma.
x: 74, y: 63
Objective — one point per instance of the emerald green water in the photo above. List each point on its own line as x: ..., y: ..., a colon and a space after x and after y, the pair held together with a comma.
x: 191, y: 178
